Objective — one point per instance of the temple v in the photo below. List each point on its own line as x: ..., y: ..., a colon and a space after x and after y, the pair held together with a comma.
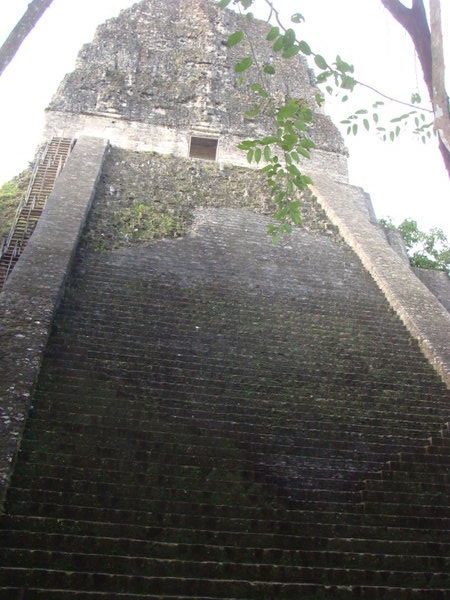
x: 189, y: 411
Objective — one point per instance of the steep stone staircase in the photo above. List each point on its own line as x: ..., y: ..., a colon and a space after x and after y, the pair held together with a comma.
x: 230, y: 419
x: 43, y: 178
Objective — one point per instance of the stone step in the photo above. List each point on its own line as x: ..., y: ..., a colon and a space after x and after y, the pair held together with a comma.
x: 333, y: 428
x: 18, y: 593
x: 205, y: 455
x: 227, y: 407
x: 414, y: 550
x: 310, y: 388
x: 265, y: 520
x: 414, y: 466
x: 156, y: 403
x: 245, y: 503
x: 28, y: 545
x: 237, y: 384
x: 114, y: 354
x: 307, y: 591
x: 171, y: 486
x: 401, y: 496
x: 435, y: 459
x: 217, y: 578
x: 131, y: 499
x: 228, y: 537
x: 80, y: 342
x: 171, y: 442
x: 415, y: 509
x: 317, y: 459
x: 206, y: 475
x: 176, y: 349
x: 420, y: 476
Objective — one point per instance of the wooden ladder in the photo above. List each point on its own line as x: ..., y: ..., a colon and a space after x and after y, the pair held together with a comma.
x: 46, y: 170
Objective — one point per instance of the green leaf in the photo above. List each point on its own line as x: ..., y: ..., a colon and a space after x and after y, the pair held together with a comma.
x: 307, y: 143
x: 304, y: 152
x: 224, y: 3
x: 295, y: 156
x: 288, y: 110
x: 319, y: 99
x: 289, y: 141
x: 268, y: 140
x: 293, y: 50
x: 243, y: 65
x: 293, y: 170
x: 320, y: 62
x: 273, y: 34
x: 258, y: 89
x: 361, y: 111
x: 288, y: 39
x: 375, y: 117
x: 279, y: 44
x: 366, y: 124
x: 342, y: 66
x: 250, y: 154
x: 258, y: 155
x: 267, y: 153
x: 355, y: 129
x: 247, y: 144
x: 269, y: 69
x: 348, y: 83
x: 297, y: 18
x: 235, y: 38
x: 304, y: 47
x: 392, y: 136
x: 323, y: 76
x: 300, y: 124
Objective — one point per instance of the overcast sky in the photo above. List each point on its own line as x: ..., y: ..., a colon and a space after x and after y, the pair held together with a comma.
x: 404, y: 179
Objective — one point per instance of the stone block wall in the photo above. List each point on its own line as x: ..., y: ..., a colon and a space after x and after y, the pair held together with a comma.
x: 33, y: 291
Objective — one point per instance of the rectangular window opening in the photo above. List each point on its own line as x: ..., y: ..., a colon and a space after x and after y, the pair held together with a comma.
x: 205, y: 148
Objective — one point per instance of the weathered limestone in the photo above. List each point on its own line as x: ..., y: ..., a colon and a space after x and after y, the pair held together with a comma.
x: 33, y: 291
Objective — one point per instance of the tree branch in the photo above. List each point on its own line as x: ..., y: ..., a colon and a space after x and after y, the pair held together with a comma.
x: 35, y: 10
x: 414, y: 21
x: 274, y: 11
x: 399, y: 11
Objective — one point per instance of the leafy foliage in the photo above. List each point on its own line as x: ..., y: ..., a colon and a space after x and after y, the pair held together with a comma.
x: 281, y: 153
x: 428, y: 250
x: 10, y: 194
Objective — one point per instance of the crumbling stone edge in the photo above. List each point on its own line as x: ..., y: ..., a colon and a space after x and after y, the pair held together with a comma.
x: 33, y: 291
x: 423, y: 315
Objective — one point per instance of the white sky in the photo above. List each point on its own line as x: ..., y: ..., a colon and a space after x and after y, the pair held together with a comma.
x: 404, y: 178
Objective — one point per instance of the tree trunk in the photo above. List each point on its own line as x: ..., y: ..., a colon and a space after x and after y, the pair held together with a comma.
x: 440, y: 97
x: 35, y: 10
x: 429, y: 48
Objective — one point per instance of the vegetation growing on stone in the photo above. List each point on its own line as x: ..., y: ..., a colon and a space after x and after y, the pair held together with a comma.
x: 10, y: 194
x: 144, y: 197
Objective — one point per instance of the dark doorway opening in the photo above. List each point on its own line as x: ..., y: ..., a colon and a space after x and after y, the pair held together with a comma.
x: 205, y: 148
